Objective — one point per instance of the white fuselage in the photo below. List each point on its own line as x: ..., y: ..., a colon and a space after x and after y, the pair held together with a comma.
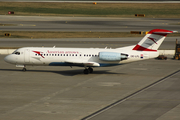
x: 72, y: 56
x: 89, y: 57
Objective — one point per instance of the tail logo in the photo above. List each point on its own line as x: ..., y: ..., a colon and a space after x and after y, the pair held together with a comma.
x: 39, y: 53
x: 153, y: 39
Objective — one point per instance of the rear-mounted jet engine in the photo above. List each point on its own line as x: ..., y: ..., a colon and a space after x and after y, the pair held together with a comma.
x: 112, y: 56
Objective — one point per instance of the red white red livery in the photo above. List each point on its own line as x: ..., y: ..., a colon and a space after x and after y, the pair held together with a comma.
x: 89, y: 57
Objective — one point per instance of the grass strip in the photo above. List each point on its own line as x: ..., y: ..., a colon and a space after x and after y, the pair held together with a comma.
x: 8, y: 24
x: 9, y: 47
x: 167, y: 10
x: 39, y: 34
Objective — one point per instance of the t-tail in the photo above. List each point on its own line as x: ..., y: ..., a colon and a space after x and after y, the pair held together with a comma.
x: 152, y: 40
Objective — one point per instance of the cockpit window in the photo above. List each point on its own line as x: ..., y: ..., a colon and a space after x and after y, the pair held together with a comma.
x: 16, y: 52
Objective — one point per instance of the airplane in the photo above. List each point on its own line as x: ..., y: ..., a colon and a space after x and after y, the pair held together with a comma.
x: 89, y: 57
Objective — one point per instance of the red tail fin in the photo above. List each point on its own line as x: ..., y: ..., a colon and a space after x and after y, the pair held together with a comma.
x: 152, y: 40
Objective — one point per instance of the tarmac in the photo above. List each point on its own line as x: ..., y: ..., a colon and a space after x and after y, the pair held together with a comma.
x: 140, y: 90
x: 65, y: 93
x: 86, y: 24
x: 168, y: 43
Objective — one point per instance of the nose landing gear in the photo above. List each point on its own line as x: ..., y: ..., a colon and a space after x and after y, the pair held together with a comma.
x: 22, y: 66
x: 24, y: 69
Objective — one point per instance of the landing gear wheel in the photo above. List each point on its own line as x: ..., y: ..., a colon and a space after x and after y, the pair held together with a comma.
x: 24, y: 69
x: 86, y: 71
x: 90, y: 70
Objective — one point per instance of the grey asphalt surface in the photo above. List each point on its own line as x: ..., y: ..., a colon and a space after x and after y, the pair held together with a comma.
x: 44, y: 93
x: 156, y: 103
x: 62, y: 92
x: 168, y: 44
x: 82, y: 24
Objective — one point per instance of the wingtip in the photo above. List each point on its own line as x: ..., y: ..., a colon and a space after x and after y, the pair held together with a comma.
x: 175, y: 31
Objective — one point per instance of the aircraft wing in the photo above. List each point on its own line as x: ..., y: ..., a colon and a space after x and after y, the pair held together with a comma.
x: 84, y: 63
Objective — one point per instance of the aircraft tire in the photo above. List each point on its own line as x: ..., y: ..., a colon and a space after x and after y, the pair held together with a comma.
x: 24, y: 69
x: 90, y: 70
x: 86, y: 71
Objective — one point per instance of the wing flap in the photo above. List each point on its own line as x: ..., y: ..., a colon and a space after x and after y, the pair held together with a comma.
x: 84, y: 63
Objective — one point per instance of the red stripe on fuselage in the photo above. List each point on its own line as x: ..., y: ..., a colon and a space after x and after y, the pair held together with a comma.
x: 39, y: 53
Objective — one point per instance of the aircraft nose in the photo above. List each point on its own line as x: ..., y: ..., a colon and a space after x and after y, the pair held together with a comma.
x: 9, y: 59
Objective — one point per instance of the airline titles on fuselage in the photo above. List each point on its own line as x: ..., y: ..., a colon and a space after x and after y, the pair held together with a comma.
x: 63, y: 52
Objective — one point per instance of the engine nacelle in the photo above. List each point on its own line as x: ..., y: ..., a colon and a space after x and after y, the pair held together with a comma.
x: 112, y: 56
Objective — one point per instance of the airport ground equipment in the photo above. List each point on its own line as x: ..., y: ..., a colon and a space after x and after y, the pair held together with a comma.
x: 177, y: 51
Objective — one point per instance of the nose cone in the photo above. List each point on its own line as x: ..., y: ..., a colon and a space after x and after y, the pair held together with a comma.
x: 10, y: 59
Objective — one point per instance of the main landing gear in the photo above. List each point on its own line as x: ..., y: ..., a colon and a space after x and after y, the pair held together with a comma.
x: 88, y: 70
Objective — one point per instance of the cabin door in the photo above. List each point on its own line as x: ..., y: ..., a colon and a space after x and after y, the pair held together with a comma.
x: 26, y: 55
